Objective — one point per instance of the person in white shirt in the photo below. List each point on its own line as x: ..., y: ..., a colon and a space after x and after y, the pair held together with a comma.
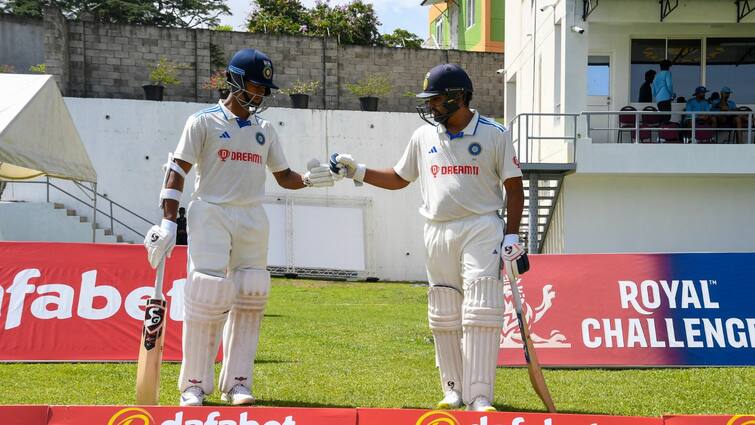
x: 227, y: 284
x: 461, y: 159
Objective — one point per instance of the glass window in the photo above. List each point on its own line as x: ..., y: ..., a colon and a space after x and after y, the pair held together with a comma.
x: 470, y: 13
x: 598, y: 76
x: 439, y: 32
x: 686, y: 65
x: 731, y: 62
x: 646, y: 55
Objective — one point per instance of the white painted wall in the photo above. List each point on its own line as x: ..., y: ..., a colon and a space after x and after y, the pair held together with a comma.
x: 644, y: 213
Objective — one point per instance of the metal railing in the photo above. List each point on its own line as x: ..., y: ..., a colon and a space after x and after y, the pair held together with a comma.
x: 91, y: 202
x: 643, y: 127
x: 528, y: 121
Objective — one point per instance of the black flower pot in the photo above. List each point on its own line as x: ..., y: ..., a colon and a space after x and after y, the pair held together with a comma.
x: 368, y: 103
x: 224, y: 93
x: 153, y: 92
x: 299, y: 100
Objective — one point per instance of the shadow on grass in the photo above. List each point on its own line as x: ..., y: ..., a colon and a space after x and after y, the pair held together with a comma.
x: 283, y: 403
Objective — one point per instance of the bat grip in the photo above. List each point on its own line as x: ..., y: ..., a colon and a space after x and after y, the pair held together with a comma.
x: 160, y: 272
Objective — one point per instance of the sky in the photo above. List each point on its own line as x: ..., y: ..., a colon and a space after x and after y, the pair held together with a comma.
x: 406, y: 14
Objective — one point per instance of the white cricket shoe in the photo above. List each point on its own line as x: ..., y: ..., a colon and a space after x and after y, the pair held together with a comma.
x: 481, y: 404
x: 192, y: 396
x: 238, y: 395
x: 452, y: 400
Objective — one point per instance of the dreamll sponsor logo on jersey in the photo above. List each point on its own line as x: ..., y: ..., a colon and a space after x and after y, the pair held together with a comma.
x: 225, y: 154
x: 454, y: 170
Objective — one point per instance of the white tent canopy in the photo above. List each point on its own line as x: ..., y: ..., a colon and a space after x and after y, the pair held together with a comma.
x: 37, y: 135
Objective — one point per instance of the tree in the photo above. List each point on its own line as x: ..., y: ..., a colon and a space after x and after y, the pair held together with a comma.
x: 352, y: 23
x: 164, y: 13
x: 278, y: 17
x: 401, y: 38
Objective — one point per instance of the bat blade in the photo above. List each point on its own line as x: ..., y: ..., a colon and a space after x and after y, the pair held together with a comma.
x: 151, y: 346
x: 533, y: 366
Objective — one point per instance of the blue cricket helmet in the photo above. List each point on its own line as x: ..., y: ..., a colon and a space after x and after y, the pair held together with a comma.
x: 444, y: 78
x: 251, y: 65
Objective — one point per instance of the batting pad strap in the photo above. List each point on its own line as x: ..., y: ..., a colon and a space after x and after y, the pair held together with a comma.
x: 444, y: 308
x: 253, y: 289
x: 483, y: 303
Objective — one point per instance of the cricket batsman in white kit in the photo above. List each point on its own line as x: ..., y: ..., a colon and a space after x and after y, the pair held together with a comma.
x: 228, y: 284
x: 460, y: 158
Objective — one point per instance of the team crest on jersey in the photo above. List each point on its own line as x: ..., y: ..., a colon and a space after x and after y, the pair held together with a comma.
x: 475, y: 149
x: 267, y: 69
x: 260, y: 138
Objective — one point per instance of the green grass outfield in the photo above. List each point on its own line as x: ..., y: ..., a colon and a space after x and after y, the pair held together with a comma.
x: 368, y: 345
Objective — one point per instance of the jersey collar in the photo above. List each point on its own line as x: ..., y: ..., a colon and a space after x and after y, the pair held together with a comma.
x: 469, y: 130
x: 230, y: 116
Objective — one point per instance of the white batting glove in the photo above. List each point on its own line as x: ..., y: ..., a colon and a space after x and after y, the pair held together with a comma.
x: 344, y: 165
x: 319, y: 175
x: 514, y: 257
x: 160, y: 241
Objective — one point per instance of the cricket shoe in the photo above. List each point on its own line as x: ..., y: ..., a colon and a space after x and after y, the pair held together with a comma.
x: 452, y: 400
x: 238, y: 395
x: 481, y: 404
x: 192, y: 396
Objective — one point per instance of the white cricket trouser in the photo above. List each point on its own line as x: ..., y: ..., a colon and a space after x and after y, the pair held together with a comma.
x: 463, y: 255
x: 227, y: 273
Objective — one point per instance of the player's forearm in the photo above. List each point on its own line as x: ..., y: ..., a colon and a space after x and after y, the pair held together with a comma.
x: 514, y: 204
x: 176, y: 182
x: 385, y: 178
x: 289, y: 179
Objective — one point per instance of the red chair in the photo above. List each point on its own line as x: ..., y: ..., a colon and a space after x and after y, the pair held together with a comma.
x: 652, y: 121
x: 705, y: 134
x: 669, y: 133
x: 626, y: 121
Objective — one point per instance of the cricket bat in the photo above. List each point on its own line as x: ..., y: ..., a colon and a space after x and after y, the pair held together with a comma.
x: 533, y: 367
x: 151, y: 347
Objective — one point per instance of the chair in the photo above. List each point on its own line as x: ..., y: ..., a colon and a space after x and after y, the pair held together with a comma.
x: 705, y: 134
x: 669, y: 133
x: 626, y: 121
x: 746, y: 109
x: 653, y: 121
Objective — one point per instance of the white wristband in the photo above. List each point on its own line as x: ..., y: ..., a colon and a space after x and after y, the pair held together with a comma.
x: 510, y: 239
x: 360, y: 172
x: 169, y: 226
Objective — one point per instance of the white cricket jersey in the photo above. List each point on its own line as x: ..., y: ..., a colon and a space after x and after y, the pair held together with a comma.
x: 230, y: 155
x: 460, y: 175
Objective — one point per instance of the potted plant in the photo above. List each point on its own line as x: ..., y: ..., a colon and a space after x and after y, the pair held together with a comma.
x: 161, y: 75
x: 369, y: 89
x: 299, y: 92
x: 40, y: 68
x: 218, y: 81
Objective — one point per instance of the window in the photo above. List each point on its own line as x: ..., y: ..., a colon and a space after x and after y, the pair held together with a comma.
x: 439, y: 32
x: 731, y: 62
x: 470, y: 12
x: 598, y: 76
x: 685, y: 57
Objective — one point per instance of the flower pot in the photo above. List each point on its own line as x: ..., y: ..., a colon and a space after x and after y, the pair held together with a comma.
x: 153, y: 92
x: 224, y: 93
x: 299, y: 100
x: 368, y: 103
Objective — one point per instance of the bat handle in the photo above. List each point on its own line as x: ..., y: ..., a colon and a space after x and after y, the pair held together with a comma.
x: 160, y: 272
x: 514, y: 291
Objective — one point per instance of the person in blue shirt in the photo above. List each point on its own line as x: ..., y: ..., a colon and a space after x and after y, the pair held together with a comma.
x: 729, y: 121
x: 698, y: 104
x: 663, y: 89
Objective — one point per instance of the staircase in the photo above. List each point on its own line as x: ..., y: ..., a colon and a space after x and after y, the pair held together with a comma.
x: 49, y: 222
x: 542, y: 186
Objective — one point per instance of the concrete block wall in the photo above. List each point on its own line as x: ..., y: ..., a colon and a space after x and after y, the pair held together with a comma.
x: 90, y: 59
